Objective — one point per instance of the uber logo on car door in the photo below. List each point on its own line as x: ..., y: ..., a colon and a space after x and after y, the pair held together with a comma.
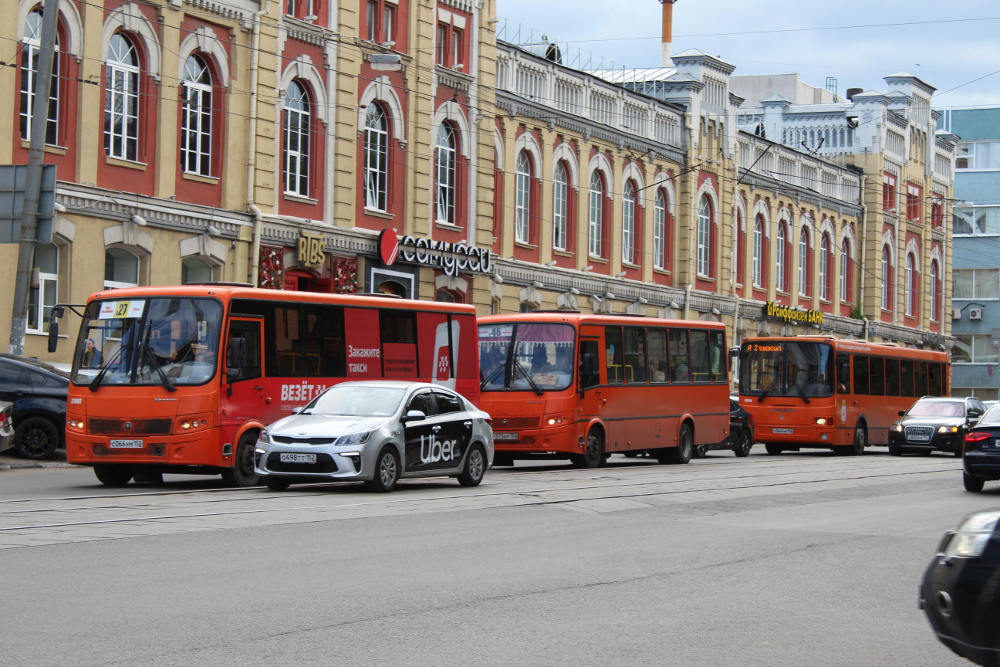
x: 430, y: 452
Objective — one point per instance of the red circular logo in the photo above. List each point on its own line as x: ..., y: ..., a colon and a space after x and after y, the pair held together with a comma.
x: 388, y: 247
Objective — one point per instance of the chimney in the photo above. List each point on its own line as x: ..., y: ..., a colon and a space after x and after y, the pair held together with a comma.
x: 851, y: 92
x: 668, y: 32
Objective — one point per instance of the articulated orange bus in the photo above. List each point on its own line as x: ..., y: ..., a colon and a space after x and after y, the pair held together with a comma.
x: 182, y: 379
x: 818, y: 391
x: 585, y: 386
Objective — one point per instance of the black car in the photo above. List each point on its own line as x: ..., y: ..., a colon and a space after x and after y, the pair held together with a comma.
x: 960, y: 592
x: 934, y: 423
x: 740, y: 438
x: 38, y: 392
x: 981, y: 461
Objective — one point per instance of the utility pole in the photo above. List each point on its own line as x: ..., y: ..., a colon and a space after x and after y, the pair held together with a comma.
x: 33, y: 181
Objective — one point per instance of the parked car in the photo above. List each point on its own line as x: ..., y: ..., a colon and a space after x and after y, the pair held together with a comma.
x: 981, y: 461
x: 6, y: 426
x: 378, y: 432
x: 38, y: 393
x: 934, y: 423
x: 959, y: 592
x: 740, y: 438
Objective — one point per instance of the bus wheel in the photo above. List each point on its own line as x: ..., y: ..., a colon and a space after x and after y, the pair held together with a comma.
x: 682, y: 452
x: 773, y: 449
x: 745, y: 443
x: 860, y: 440
x: 593, y: 456
x: 974, y: 484
x: 475, y: 467
x: 113, y: 475
x: 242, y: 473
x: 386, y: 471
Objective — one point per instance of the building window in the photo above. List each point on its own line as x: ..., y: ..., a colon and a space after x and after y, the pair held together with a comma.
x: 296, y: 149
x: 974, y: 349
x: 824, y: 268
x: 781, y: 264
x: 911, y: 287
x: 42, y: 298
x: 758, y: 252
x: 560, y: 201
x: 935, y: 292
x: 704, y: 264
x: 376, y: 157
x: 886, y: 279
x: 195, y: 271
x: 976, y: 220
x: 660, y: 229
x: 196, y: 118
x: 628, y: 224
x: 30, y: 51
x: 121, y: 269
x: 526, y: 308
x: 913, y: 196
x: 445, y: 157
x: 937, y: 211
x: 888, y: 192
x: 845, y: 272
x: 595, y: 230
x: 741, y: 249
x: 804, y: 262
x: 450, y: 46
x: 445, y: 296
x: 442, y: 41
x: 977, y: 155
x: 121, y: 100
x: 456, y: 47
x: 522, y: 202
x: 380, y: 21
x: 976, y: 284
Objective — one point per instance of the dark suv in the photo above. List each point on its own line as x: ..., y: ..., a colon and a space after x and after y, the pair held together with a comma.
x: 935, y: 423
x: 740, y: 438
x: 38, y: 392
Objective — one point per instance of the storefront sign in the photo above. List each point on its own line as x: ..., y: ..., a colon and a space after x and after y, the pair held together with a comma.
x: 787, y: 314
x: 452, y: 258
x: 311, y: 250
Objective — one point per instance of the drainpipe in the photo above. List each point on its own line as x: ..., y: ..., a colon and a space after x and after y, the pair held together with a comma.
x: 864, y: 243
x: 252, y: 149
x: 258, y: 225
x: 687, y: 301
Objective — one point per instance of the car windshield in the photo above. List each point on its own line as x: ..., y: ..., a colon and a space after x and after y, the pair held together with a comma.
x: 937, y: 409
x: 534, y: 356
x: 355, y: 401
x: 786, y: 369
x: 164, y: 341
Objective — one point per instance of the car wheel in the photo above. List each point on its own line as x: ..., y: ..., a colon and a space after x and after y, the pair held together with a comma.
x: 475, y: 467
x: 974, y: 484
x: 594, y: 455
x: 745, y: 443
x: 242, y: 473
x: 276, y: 483
x: 773, y: 449
x: 699, y: 451
x: 682, y: 452
x: 36, y: 438
x: 386, y: 471
x: 113, y: 475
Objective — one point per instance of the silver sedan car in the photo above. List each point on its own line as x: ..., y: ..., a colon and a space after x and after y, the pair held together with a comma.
x: 378, y: 432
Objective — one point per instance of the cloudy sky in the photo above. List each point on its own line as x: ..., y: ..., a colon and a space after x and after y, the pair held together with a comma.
x: 947, y: 44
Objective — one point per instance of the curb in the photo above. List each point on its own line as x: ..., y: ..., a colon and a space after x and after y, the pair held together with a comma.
x: 23, y: 465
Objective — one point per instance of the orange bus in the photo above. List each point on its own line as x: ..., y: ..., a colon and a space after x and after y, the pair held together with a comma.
x: 818, y: 391
x: 586, y: 386
x: 182, y: 379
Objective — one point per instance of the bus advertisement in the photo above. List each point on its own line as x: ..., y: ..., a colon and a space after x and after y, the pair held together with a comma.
x: 563, y: 384
x: 182, y: 379
x: 818, y: 391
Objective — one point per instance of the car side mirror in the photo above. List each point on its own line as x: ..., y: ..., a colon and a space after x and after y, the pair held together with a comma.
x: 413, y: 416
x: 902, y: 413
x: 297, y: 410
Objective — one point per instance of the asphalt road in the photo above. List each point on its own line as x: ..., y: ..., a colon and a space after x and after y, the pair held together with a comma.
x: 801, y: 559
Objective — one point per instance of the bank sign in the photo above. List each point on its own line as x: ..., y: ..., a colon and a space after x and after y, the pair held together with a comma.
x: 786, y: 314
x: 452, y: 258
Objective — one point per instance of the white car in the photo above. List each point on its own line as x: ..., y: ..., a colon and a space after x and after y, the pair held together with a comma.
x: 378, y: 432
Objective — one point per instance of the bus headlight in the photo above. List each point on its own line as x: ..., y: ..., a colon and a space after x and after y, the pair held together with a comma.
x: 822, y: 421
x: 76, y: 423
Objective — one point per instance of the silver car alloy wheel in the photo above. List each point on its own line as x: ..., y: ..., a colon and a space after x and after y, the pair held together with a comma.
x: 387, y: 469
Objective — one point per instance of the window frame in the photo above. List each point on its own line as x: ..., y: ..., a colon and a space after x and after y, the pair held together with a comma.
x: 446, y: 175
x: 522, y: 197
x: 660, y: 212
x: 129, y: 74
x: 201, y: 130
x: 560, y: 206
x: 30, y: 53
x: 376, y: 158
x: 595, y: 217
x: 629, y: 207
x: 39, y: 296
x: 704, y: 238
x: 301, y: 113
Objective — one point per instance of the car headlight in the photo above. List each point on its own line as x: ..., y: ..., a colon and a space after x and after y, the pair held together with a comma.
x: 265, y: 437
x: 353, y: 438
x: 897, y: 427
x: 948, y: 429
x: 973, y: 535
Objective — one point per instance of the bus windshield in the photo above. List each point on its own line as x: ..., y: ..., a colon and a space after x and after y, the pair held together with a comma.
x: 787, y: 369
x: 166, y: 341
x: 535, y: 356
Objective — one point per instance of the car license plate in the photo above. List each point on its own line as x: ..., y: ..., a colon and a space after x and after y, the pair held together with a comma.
x: 783, y: 431
x: 126, y: 444
x: 504, y: 436
x: 918, y: 438
x: 285, y: 457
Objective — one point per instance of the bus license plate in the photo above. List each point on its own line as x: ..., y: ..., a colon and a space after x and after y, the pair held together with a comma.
x: 504, y: 436
x: 126, y: 444
x: 297, y: 458
x: 784, y: 431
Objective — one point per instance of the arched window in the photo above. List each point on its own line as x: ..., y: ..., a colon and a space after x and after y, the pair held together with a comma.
x: 824, y: 268
x: 741, y: 249
x: 445, y: 296
x: 886, y: 279
x: 911, y: 287
x: 196, y: 118
x: 704, y: 237
x: 522, y: 202
x: 804, y: 262
x: 376, y: 157
x: 42, y: 298
x: 195, y: 271
x: 782, y: 259
x: 595, y: 231
x: 660, y: 229
x: 445, y: 157
x: 935, y: 292
x: 758, y: 252
x: 298, y: 121
x: 560, y: 201
x: 30, y: 50
x: 628, y: 223
x: 121, y: 100
x: 121, y: 269
x: 845, y: 271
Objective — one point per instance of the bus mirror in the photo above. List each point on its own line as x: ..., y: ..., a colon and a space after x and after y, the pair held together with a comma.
x: 237, y: 352
x: 57, y: 312
x: 734, y: 353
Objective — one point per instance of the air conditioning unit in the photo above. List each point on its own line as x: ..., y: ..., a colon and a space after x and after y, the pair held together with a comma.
x: 956, y: 313
x: 975, y: 313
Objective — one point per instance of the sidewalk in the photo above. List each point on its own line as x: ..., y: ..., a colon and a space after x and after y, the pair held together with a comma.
x: 10, y: 462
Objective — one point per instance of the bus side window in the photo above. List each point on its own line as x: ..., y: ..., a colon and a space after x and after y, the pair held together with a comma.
x: 699, y: 356
x: 635, y: 356
x: 613, y: 352
x: 876, y: 375
x: 843, y: 374
x: 323, y: 342
x: 718, y: 357
x: 590, y: 372
x: 680, y: 368
x: 906, y: 377
x: 861, y: 384
x: 892, y: 377
x: 250, y: 333
x: 933, y: 379
x: 920, y: 378
x: 659, y: 370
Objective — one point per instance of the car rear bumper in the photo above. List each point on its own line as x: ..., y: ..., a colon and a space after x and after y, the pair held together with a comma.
x: 953, y: 596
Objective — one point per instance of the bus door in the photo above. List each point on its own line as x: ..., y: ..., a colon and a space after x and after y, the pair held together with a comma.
x: 592, y: 396
x: 246, y: 397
